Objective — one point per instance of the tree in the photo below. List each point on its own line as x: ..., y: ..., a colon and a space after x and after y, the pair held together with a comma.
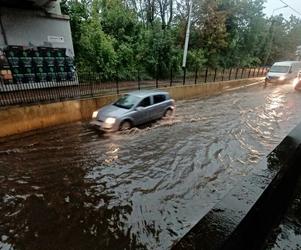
x: 97, y: 52
x: 126, y: 36
x: 211, y: 32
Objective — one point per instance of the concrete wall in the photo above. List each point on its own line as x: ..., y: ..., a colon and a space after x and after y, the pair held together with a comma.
x: 54, y: 7
x: 21, y: 119
x: 17, y: 120
x: 35, y: 28
x: 206, y: 89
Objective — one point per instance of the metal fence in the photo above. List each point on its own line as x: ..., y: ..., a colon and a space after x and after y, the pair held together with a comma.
x: 89, y: 85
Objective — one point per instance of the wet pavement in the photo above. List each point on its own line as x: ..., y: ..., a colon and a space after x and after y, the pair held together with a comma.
x: 287, y: 235
x: 71, y: 187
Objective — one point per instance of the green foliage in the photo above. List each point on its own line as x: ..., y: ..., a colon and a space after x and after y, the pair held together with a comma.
x: 211, y: 31
x: 97, y: 52
x: 197, y: 57
x: 118, y: 38
x: 157, y: 50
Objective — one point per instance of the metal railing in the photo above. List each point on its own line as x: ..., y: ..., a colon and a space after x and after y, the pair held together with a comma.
x: 89, y: 85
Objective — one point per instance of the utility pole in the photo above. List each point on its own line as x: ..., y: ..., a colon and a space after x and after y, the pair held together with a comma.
x: 186, y: 41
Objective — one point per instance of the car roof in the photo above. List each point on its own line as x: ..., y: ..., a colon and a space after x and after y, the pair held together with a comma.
x: 285, y: 63
x: 145, y: 93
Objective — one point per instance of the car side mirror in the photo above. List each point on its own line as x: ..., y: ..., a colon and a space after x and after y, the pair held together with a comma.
x: 290, y: 71
x: 139, y: 108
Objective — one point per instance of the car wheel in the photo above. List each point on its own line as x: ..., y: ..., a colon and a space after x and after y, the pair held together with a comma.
x: 265, y: 82
x: 125, y: 125
x: 168, y: 113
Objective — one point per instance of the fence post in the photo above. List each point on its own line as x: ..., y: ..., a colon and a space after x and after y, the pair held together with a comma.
x: 14, y: 95
x: 196, y: 75
x: 258, y: 69
x: 170, y: 84
x: 215, y: 70
x: 2, y: 101
x: 53, y: 90
x: 263, y: 70
x: 184, y: 75
x: 223, y: 72
x: 206, y: 75
x: 90, y: 83
x: 14, y: 92
x: 157, y: 85
x: 76, y: 80
x: 230, y: 74
x: 242, y: 73
x: 82, y: 86
x: 117, y: 82
x: 77, y: 87
x: 138, y: 76
x: 19, y: 93
x: 236, y: 73
x: 28, y: 91
x: 58, y: 80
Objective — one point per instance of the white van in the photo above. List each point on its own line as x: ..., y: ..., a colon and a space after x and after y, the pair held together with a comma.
x: 283, y: 71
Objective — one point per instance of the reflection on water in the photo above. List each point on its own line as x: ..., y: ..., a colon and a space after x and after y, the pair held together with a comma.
x: 288, y: 235
x: 48, y: 200
x: 71, y: 187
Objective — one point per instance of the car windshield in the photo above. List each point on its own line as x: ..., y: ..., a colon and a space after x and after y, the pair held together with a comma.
x: 127, y: 101
x: 279, y: 69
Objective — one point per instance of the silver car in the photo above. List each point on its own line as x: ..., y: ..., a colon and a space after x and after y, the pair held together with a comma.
x: 133, y: 109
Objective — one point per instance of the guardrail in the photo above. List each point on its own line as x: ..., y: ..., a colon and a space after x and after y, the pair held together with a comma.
x: 89, y: 85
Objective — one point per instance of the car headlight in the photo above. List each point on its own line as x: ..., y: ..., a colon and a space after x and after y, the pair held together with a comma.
x: 295, y: 82
x: 110, y: 120
x: 281, y: 78
x: 94, y: 115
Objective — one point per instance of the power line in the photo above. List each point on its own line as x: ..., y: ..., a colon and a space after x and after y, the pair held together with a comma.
x: 298, y: 12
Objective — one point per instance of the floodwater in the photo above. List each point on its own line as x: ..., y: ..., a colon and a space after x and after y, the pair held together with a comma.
x: 287, y: 235
x: 71, y: 187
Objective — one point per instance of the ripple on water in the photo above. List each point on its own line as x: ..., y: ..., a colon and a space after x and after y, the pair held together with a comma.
x: 141, y: 187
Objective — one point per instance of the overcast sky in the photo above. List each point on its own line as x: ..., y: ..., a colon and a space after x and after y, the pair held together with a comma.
x: 274, y: 4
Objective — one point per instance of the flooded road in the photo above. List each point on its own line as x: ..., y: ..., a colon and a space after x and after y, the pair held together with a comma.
x: 70, y: 187
x: 287, y: 235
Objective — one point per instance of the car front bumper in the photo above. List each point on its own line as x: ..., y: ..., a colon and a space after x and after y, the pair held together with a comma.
x: 104, y: 126
x: 275, y: 80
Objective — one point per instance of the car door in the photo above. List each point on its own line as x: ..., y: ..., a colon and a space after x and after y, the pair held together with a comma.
x: 142, y: 111
x: 159, y: 106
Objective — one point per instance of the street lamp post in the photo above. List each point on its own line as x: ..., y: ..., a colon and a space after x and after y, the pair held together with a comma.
x: 186, y: 42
